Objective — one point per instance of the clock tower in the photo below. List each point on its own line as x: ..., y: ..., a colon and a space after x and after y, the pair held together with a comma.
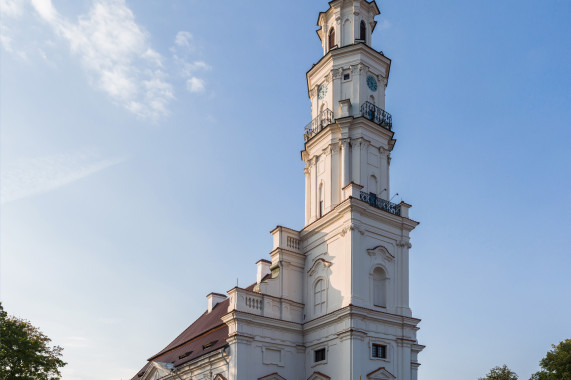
x: 356, y: 241
x: 333, y: 301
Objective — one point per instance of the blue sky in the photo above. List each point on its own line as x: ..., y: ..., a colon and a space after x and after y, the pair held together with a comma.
x: 148, y: 148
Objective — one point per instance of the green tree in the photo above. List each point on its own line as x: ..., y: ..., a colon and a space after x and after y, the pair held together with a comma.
x: 500, y: 373
x: 25, y: 352
x: 556, y: 365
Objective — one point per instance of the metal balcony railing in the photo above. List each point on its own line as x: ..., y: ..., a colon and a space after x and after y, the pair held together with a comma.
x: 321, y: 121
x: 377, y: 115
x: 379, y: 203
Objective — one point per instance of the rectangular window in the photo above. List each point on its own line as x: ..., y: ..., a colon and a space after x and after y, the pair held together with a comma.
x: 379, y: 351
x: 346, y: 76
x: 319, y: 355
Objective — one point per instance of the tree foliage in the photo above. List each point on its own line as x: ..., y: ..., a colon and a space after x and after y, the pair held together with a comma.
x: 556, y: 365
x: 25, y: 352
x: 500, y: 373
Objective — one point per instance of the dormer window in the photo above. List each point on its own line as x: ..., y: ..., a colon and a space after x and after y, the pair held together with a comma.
x: 363, y: 34
x: 331, y: 38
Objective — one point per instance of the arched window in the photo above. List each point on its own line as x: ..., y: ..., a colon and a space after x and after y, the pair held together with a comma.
x: 379, y: 287
x: 373, y: 184
x: 321, y: 204
x: 363, y: 34
x: 319, y: 297
x: 331, y: 38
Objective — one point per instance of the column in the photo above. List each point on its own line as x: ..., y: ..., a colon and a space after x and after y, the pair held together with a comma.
x: 364, y: 165
x: 327, y: 183
x: 307, y: 171
x: 356, y: 164
x: 384, y: 180
x: 335, y: 175
x: 313, y: 192
x: 403, y: 307
x: 356, y: 71
x: 335, y: 107
x: 346, y: 156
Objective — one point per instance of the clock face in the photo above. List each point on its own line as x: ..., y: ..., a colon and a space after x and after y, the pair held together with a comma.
x: 322, y: 91
x: 372, y: 83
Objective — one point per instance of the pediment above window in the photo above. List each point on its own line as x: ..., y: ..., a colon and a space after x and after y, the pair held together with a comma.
x: 382, y: 252
x: 381, y: 374
x: 272, y: 376
x: 318, y: 376
x: 317, y: 265
x: 219, y: 377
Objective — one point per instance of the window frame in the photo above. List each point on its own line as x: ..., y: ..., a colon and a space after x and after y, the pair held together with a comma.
x: 363, y: 31
x: 313, y: 353
x: 323, y: 300
x: 331, y: 38
x: 380, y: 342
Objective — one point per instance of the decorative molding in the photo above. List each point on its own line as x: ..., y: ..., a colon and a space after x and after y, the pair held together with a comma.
x: 318, y: 376
x: 380, y: 374
x: 404, y: 244
x: 315, y: 265
x: 337, y: 73
x: 272, y: 376
x: 381, y: 251
x: 335, y: 147
x: 356, y: 227
x: 352, y: 333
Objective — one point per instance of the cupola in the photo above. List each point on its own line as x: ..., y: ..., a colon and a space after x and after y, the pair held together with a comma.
x: 347, y: 22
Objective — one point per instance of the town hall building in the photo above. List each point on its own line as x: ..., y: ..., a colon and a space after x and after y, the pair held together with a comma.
x: 332, y: 300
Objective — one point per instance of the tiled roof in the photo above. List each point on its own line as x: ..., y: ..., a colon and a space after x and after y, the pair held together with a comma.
x: 207, y: 334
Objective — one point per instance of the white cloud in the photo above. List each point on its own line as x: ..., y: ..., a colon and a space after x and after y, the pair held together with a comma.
x: 46, y: 9
x: 195, y: 85
x: 32, y: 176
x: 116, y: 52
x: 11, y: 8
x: 183, y: 39
x: 187, y: 68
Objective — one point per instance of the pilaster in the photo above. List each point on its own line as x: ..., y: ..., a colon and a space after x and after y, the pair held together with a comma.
x: 335, y: 174
x: 346, y: 153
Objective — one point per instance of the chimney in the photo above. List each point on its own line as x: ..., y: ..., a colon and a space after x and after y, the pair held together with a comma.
x: 214, y: 299
x: 263, y: 269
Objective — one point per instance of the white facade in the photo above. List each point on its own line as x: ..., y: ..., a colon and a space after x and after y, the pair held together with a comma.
x: 333, y: 303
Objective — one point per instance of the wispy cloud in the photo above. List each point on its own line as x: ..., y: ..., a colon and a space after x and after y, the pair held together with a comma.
x: 32, y: 176
x: 190, y: 70
x: 11, y: 8
x: 195, y: 84
x: 116, y: 52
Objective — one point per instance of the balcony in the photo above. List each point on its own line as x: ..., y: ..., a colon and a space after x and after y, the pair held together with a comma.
x: 379, y: 203
x: 377, y: 115
x: 323, y: 120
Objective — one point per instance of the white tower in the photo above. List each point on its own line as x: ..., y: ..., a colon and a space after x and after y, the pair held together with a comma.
x: 356, y: 241
x: 333, y: 302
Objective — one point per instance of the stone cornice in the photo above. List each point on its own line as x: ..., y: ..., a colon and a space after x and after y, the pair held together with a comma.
x: 352, y: 311
x: 249, y: 318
